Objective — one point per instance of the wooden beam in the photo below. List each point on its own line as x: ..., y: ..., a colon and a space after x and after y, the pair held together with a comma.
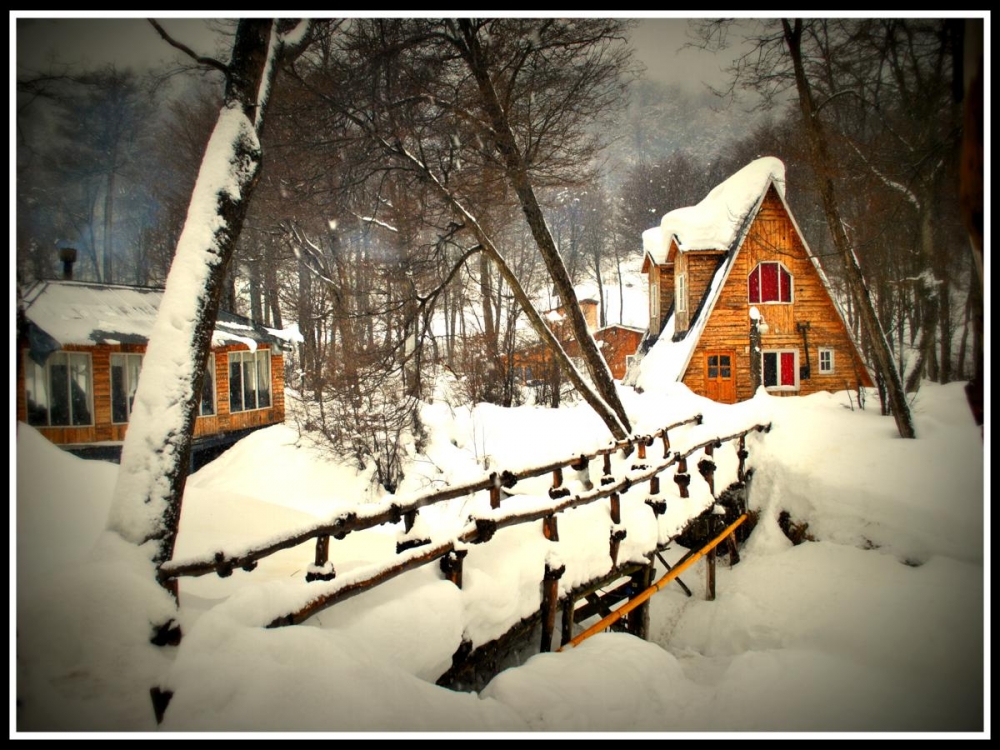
x: 550, y: 603
x: 645, y: 595
x: 710, y: 575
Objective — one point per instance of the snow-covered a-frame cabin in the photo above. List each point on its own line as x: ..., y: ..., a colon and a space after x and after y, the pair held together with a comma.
x: 732, y: 278
x: 80, y: 350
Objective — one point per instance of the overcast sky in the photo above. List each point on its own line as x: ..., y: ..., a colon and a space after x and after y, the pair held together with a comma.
x: 132, y: 42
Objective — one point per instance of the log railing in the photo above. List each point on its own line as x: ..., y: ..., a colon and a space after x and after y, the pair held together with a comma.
x: 352, y: 521
x: 480, y: 528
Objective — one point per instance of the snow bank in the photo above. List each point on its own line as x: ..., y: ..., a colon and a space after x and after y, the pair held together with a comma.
x: 877, y: 626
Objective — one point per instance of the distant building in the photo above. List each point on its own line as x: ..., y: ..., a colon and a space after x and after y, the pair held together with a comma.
x: 737, y: 299
x: 617, y: 343
x: 80, y: 348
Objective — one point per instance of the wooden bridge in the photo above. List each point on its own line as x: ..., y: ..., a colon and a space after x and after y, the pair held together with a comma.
x: 630, y: 471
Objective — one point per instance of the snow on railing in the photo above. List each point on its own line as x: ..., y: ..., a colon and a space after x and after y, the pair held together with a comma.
x: 480, y: 527
x: 224, y: 564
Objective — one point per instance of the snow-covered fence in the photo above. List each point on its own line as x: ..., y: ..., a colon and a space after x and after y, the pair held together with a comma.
x: 414, y: 552
x: 406, y: 510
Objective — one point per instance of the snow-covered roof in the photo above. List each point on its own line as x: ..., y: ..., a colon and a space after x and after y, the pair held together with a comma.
x: 86, y: 313
x: 715, y: 222
x: 668, y: 360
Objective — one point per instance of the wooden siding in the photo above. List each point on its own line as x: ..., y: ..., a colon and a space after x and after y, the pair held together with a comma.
x: 772, y: 237
x: 103, y: 430
x: 666, y: 284
x: 661, y: 287
x: 698, y: 267
x: 618, y: 343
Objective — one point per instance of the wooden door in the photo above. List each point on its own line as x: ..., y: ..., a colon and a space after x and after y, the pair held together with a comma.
x: 720, y: 376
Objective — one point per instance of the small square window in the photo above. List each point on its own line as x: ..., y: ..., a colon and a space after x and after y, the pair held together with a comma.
x: 826, y: 361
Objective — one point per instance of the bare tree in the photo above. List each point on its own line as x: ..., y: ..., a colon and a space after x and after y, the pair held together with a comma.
x: 779, y: 62
x: 426, y: 94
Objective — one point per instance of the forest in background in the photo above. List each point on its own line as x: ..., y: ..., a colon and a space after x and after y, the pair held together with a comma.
x: 376, y: 142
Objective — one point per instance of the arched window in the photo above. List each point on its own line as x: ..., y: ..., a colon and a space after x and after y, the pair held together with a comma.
x: 769, y: 282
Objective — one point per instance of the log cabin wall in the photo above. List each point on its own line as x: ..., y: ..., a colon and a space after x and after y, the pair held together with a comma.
x: 772, y: 237
x: 701, y: 268
x: 655, y: 312
x: 104, y: 430
x: 666, y: 284
x: 618, y: 343
x: 226, y: 421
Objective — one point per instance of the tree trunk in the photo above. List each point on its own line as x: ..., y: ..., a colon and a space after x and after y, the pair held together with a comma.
x: 856, y: 283
x: 109, y: 207
x: 517, y: 172
x: 157, y: 448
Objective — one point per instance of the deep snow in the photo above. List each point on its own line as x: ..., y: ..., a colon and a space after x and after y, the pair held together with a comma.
x: 878, y: 626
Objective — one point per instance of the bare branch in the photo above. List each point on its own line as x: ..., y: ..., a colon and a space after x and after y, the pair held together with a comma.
x: 209, y: 61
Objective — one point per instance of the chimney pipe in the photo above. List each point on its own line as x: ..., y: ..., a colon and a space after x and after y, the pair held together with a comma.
x: 68, y: 257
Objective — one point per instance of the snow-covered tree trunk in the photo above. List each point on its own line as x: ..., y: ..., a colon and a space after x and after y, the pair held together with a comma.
x: 157, y: 448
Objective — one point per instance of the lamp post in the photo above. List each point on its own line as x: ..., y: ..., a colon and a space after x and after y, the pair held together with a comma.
x: 758, y: 328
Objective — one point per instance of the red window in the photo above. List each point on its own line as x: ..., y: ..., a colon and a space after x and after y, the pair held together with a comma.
x: 769, y: 282
x: 779, y: 369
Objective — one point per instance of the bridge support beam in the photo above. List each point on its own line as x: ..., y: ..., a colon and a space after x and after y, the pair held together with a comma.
x: 550, y: 603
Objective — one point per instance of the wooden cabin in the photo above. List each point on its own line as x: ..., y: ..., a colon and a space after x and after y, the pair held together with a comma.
x: 732, y: 279
x: 617, y: 343
x: 80, y: 349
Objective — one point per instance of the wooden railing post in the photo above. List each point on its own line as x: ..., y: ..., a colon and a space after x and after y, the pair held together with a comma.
x: 550, y: 603
x: 658, y: 504
x: 616, y: 539
x: 606, y: 476
x: 568, y: 610
x: 451, y: 566
x: 706, y: 467
x: 557, y: 490
x: 710, y: 576
x: 616, y: 508
x: 322, y: 568
x: 682, y: 478
x: 550, y: 528
x: 666, y: 444
x: 494, y: 491
x: 741, y: 452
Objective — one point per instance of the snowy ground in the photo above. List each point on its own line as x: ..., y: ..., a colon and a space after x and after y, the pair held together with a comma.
x: 878, y: 626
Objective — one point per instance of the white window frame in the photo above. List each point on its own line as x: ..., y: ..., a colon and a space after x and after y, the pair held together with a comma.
x: 46, y: 369
x: 210, y: 371
x: 795, y: 369
x: 654, y: 297
x: 260, y: 353
x: 680, y: 293
x: 111, y: 379
x: 832, y: 363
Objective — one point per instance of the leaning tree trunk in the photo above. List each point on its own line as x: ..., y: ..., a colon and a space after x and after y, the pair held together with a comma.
x: 856, y: 282
x: 517, y: 171
x: 157, y: 448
